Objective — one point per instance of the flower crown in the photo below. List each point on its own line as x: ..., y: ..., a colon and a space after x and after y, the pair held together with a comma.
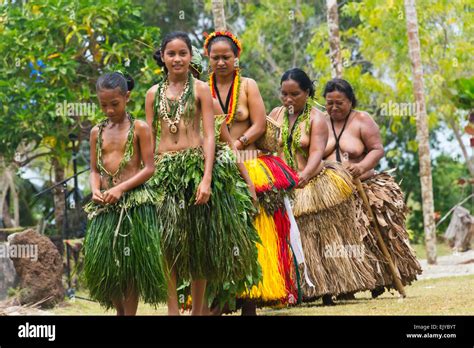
x: 226, y: 34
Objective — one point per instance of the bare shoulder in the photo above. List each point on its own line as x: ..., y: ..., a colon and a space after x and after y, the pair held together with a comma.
x: 201, y: 87
x: 201, y: 84
x: 363, y: 116
x: 317, y: 115
x: 251, y: 83
x: 150, y: 94
x: 366, y: 122
x: 152, y: 90
x: 275, y: 112
x: 94, y: 131
x: 141, y: 126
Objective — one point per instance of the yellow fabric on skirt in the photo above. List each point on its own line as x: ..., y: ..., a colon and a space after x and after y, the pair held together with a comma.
x: 272, y: 287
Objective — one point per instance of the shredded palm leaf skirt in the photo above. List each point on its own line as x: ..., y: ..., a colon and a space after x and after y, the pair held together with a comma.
x: 334, y: 252
x: 215, y: 241
x: 388, y: 205
x: 273, y: 180
x: 122, y: 249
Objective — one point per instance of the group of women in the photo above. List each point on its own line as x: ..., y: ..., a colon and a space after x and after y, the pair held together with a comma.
x: 250, y: 210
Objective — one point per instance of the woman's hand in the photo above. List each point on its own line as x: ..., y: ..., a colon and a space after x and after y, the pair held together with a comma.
x: 355, y: 169
x: 112, y: 195
x: 303, y: 179
x: 203, y: 192
x: 238, y: 145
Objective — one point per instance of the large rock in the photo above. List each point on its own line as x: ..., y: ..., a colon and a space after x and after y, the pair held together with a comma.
x: 7, y: 272
x: 39, y: 267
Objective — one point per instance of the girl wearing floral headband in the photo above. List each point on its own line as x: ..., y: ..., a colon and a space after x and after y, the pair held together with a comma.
x: 201, y: 242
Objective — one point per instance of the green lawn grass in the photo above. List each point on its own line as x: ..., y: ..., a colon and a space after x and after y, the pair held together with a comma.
x: 442, y: 296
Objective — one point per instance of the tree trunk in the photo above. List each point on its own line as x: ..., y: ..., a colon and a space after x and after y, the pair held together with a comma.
x: 3, y: 191
x: 457, y: 134
x: 219, y: 15
x: 422, y: 132
x: 334, y: 41
x: 14, y: 198
x: 58, y: 195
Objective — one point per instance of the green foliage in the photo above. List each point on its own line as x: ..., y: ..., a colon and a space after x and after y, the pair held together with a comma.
x: 52, y: 53
x: 447, y: 193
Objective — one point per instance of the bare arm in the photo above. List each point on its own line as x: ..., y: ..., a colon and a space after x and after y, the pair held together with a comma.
x: 257, y: 114
x: 149, y: 100
x: 209, y: 144
x: 225, y: 136
x: 94, y: 178
x: 144, y: 136
x: 319, y: 137
x: 276, y: 114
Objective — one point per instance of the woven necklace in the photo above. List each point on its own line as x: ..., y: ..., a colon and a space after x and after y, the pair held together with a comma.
x: 291, y: 138
x: 177, y: 108
x: 113, y: 178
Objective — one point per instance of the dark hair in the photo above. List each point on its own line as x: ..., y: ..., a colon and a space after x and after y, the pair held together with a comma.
x: 301, y: 77
x: 115, y: 80
x: 232, y: 44
x: 343, y: 86
x: 166, y: 40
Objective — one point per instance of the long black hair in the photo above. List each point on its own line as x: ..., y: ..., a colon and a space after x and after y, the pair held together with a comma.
x: 166, y: 40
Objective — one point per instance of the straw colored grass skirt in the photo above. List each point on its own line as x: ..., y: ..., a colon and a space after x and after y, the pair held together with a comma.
x: 334, y: 252
x: 387, y: 202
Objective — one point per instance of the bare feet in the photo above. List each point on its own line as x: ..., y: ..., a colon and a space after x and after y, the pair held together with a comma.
x: 249, y: 308
x: 377, y: 291
x: 327, y: 300
x: 346, y: 297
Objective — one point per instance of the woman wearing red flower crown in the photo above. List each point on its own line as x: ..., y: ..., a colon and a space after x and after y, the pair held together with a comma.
x: 238, y: 105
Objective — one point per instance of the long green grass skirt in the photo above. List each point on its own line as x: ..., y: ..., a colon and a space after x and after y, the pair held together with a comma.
x: 123, y: 249
x: 215, y: 241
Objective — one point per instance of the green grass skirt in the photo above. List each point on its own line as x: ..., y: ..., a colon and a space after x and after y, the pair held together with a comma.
x: 122, y: 249
x: 215, y: 241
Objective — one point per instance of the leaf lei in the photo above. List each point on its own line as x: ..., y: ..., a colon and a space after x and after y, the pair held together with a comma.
x: 234, y: 99
x: 289, y: 150
x: 127, y: 155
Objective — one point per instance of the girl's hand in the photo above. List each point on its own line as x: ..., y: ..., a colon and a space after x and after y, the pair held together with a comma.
x: 112, y: 195
x: 97, y: 197
x: 253, y: 193
x: 203, y: 192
